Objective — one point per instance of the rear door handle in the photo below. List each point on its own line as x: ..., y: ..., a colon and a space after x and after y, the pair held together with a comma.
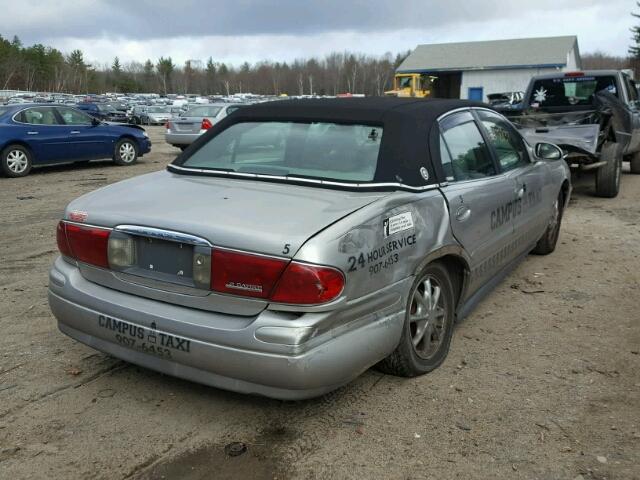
x: 463, y: 213
x: 73, y: 132
x: 33, y: 133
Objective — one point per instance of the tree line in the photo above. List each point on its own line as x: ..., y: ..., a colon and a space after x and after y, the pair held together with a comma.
x: 46, y: 69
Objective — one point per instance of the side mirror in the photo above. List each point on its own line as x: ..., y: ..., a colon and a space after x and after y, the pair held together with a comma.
x: 95, y: 121
x: 548, y: 151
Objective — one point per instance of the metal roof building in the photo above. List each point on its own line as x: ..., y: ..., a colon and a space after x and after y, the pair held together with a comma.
x: 475, y: 69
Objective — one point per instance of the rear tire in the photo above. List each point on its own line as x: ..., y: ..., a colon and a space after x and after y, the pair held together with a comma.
x: 547, y: 243
x: 125, y: 152
x: 608, y: 176
x: 16, y: 161
x: 428, y: 325
x: 634, y: 163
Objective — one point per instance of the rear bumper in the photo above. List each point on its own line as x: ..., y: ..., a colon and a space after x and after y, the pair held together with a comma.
x: 181, y: 138
x: 191, y: 344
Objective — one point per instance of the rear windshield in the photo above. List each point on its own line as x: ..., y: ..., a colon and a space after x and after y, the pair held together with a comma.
x: 4, y: 110
x: 570, y: 91
x: 202, y: 112
x: 311, y: 150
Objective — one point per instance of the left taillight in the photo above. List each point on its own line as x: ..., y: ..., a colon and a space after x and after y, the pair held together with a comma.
x: 61, y: 238
x: 85, y: 244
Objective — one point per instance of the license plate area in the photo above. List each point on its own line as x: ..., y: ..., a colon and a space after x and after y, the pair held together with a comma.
x: 185, y: 127
x: 163, y: 260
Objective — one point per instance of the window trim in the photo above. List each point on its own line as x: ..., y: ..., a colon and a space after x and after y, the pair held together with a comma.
x: 69, y: 107
x: 55, y: 113
x: 494, y: 153
x: 470, y: 110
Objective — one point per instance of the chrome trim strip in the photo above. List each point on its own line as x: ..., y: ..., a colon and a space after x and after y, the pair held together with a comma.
x: 88, y: 225
x: 248, y: 252
x: 259, y: 176
x: 162, y: 234
x: 160, y: 285
x: 466, y: 109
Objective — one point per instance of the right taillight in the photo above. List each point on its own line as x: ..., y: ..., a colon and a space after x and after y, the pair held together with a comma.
x: 275, y: 279
x: 245, y: 274
x: 85, y: 244
x: 305, y: 284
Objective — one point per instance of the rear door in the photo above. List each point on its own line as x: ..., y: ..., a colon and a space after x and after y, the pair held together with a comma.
x: 513, y: 161
x: 481, y: 201
x: 86, y: 140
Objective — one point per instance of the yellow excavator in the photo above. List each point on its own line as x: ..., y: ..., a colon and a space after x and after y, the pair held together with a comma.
x: 417, y: 85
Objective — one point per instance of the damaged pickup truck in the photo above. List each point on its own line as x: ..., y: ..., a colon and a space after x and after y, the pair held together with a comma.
x: 594, y: 116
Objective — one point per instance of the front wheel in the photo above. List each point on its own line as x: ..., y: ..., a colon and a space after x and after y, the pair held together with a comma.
x: 608, y: 175
x: 16, y: 161
x: 547, y: 243
x: 428, y: 325
x: 125, y: 152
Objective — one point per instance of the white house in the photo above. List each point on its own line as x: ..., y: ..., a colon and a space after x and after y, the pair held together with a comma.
x: 473, y: 70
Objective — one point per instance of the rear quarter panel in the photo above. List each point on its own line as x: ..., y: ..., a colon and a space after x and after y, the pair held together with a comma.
x: 373, y: 259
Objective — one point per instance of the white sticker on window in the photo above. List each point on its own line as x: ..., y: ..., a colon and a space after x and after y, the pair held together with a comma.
x: 540, y: 95
x: 397, y: 223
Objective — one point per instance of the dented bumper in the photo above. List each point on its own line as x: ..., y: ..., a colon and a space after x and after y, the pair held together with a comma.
x: 275, y: 354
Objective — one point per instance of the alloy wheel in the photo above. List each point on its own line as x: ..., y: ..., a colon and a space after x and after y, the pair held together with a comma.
x: 127, y: 152
x: 17, y: 161
x: 427, y: 316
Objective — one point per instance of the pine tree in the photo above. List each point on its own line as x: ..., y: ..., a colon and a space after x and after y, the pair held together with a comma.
x: 116, y: 68
x: 165, y: 68
x: 634, y: 50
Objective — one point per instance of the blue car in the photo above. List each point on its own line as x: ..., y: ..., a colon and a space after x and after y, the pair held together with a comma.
x: 36, y: 134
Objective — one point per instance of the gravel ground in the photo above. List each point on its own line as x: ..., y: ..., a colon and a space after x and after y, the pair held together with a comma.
x: 541, y: 382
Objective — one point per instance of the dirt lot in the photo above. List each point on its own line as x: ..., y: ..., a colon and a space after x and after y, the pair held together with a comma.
x: 542, y: 381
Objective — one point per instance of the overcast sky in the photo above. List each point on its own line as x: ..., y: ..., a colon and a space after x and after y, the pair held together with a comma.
x: 243, y: 30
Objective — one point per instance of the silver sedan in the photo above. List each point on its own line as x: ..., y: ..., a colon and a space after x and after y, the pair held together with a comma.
x: 186, y: 128
x: 299, y: 243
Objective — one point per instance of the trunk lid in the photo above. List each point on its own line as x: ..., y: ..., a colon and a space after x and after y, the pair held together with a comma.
x: 253, y: 216
x: 187, y: 124
x: 242, y: 214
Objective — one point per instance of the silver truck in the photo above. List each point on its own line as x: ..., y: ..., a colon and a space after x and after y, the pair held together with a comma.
x: 298, y: 243
x: 594, y: 116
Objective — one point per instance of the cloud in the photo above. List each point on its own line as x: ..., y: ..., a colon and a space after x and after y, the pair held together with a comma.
x: 235, y: 31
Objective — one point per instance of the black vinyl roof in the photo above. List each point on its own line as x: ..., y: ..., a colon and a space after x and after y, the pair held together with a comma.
x: 407, y: 124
